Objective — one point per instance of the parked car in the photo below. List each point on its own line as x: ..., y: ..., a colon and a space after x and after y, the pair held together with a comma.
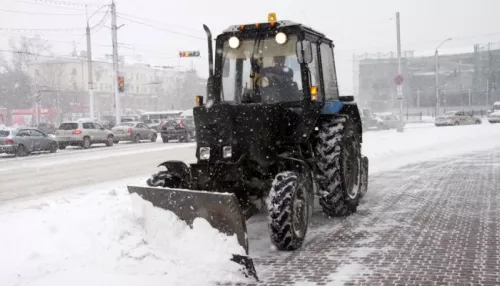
x: 457, y: 118
x: 177, y: 129
x: 22, y: 142
x: 134, y: 131
x: 368, y: 119
x: 388, y: 121
x: 47, y: 128
x: 154, y: 123
x: 494, y: 115
x: 84, y: 134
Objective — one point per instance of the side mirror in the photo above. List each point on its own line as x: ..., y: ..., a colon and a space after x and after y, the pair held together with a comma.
x: 226, y: 70
x: 303, y: 51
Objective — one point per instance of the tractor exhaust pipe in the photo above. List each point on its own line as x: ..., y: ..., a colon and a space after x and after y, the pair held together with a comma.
x: 210, y: 51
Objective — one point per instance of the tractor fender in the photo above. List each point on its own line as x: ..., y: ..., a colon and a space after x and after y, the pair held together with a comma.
x: 347, y: 109
x: 351, y: 110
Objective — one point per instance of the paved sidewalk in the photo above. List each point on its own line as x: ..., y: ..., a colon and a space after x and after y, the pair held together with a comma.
x: 435, y: 223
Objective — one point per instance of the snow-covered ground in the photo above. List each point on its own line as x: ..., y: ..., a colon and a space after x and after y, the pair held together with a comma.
x: 423, y: 142
x: 97, y: 235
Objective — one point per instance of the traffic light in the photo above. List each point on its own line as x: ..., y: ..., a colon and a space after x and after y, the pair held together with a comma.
x: 121, y: 84
x: 189, y: 54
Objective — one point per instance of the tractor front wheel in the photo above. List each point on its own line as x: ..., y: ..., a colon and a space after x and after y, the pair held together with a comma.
x: 289, y: 209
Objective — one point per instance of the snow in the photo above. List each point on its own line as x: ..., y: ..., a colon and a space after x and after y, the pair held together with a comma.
x: 345, y: 272
x: 387, y: 150
x: 106, y: 236
x: 101, y: 235
x: 61, y: 159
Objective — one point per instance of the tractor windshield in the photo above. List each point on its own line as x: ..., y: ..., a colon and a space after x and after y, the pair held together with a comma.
x: 277, y: 74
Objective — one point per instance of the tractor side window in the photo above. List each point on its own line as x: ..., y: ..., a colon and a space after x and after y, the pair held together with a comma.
x: 329, y: 74
x: 229, y: 81
x: 314, y: 68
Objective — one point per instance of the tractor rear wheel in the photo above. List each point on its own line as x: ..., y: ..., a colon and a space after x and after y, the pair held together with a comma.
x: 289, y: 207
x: 339, y: 167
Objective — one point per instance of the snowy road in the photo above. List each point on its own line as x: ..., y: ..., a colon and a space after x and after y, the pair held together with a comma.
x: 71, y: 168
x: 431, y: 214
x: 425, y: 223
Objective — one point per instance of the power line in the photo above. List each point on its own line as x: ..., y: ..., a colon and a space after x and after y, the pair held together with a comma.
x: 38, y: 13
x: 163, y: 23
x: 65, y: 4
x: 101, y: 23
x: 41, y: 4
x: 22, y: 30
x: 163, y: 29
x: 51, y: 57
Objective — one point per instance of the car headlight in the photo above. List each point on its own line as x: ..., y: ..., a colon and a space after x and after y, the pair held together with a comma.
x: 204, y: 153
x: 227, y: 152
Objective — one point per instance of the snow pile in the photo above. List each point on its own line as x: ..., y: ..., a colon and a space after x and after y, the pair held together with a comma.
x: 110, y: 238
x: 389, y: 149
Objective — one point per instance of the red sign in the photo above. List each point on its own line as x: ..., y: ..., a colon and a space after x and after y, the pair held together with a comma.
x: 398, y: 79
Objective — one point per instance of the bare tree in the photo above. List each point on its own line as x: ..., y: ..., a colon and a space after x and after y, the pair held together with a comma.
x: 28, y: 50
x: 16, y: 90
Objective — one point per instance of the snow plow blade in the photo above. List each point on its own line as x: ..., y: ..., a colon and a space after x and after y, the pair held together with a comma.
x: 221, y: 210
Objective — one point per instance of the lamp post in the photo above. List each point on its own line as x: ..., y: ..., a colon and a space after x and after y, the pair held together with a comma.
x: 437, y: 74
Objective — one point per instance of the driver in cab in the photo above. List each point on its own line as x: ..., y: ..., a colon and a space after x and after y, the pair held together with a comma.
x: 279, y: 78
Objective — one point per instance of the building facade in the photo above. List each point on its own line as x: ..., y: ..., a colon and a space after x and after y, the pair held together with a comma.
x: 63, y: 85
x: 466, y: 79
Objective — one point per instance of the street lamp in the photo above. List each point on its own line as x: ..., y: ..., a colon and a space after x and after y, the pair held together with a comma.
x: 437, y: 75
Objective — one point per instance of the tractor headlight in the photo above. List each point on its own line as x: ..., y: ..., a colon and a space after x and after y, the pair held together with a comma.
x: 281, y: 38
x: 204, y: 153
x: 227, y: 151
x: 234, y: 42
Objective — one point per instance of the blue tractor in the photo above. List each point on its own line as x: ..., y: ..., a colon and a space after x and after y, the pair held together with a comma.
x: 273, y: 132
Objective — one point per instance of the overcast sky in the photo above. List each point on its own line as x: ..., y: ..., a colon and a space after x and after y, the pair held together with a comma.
x: 355, y: 26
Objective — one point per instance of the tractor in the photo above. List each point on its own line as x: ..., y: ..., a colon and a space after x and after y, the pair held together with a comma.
x: 272, y: 133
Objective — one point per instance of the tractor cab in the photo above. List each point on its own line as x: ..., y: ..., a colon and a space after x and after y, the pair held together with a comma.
x: 273, y: 62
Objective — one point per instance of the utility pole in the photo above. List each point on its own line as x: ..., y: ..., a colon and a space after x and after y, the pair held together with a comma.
x: 418, y: 97
x: 89, y: 62
x: 114, y: 29
x: 437, y: 75
x: 469, y: 96
x: 487, y: 92
x: 437, y: 82
x: 400, y: 87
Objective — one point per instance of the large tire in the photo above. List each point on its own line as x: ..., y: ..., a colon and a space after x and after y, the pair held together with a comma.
x: 289, y: 209
x: 164, y: 139
x: 364, y: 177
x: 339, y: 167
